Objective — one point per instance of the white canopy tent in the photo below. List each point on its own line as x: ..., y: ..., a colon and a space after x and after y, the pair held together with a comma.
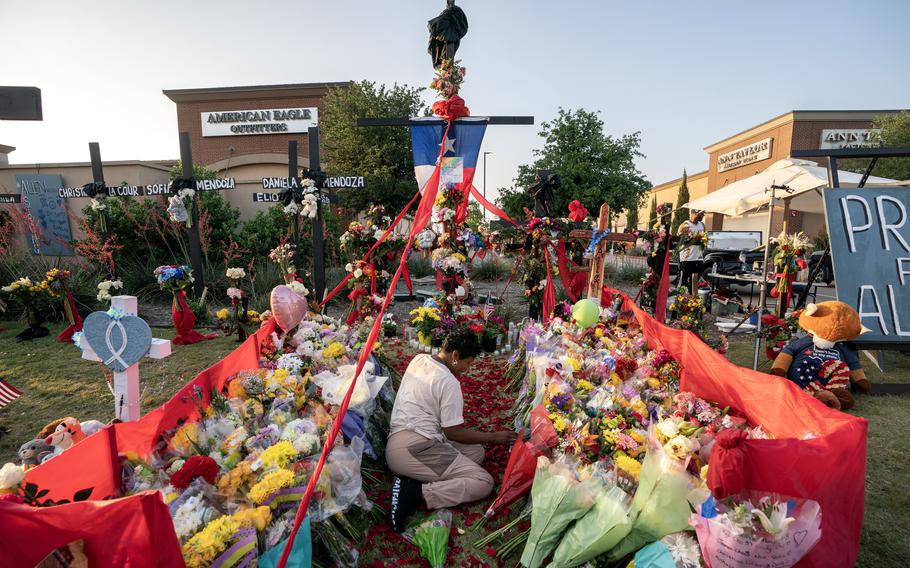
x: 805, y: 178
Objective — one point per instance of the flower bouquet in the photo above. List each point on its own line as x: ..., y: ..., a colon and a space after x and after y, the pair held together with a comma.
x: 175, y: 279
x: 105, y: 287
x: 757, y: 529
x: 27, y: 292
x: 777, y: 332
x: 449, y: 77
x: 55, y: 284
x: 788, y: 259
x: 425, y: 320
x: 240, y: 304
x: 686, y: 310
x: 432, y: 537
x: 283, y: 256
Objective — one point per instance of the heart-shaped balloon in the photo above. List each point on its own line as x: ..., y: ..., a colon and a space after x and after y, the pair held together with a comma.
x: 119, y: 342
x: 288, y: 307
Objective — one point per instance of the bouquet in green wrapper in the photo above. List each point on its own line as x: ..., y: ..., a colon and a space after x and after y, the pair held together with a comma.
x: 561, y: 494
x: 432, y: 537
x: 601, y: 528
x: 662, y: 501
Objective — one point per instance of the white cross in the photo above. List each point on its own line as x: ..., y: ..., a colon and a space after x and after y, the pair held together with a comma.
x: 126, y: 383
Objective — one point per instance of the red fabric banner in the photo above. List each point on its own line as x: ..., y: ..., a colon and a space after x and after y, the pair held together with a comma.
x: 570, y: 280
x: 490, y: 207
x: 185, y: 321
x: 135, y: 531
x: 549, y: 290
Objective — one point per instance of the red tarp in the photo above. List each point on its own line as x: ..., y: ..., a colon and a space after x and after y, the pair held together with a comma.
x: 135, y: 531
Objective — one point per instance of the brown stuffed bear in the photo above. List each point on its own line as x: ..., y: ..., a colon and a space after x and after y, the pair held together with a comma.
x: 821, y: 362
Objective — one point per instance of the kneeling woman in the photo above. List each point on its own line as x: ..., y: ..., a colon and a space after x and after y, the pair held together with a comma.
x: 433, y: 456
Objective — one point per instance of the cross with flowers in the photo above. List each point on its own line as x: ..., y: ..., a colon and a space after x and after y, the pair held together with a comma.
x: 597, y: 248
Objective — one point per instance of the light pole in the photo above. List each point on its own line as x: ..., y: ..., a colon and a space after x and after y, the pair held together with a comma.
x: 485, y: 181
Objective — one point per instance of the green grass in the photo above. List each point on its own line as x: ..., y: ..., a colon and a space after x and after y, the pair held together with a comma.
x: 886, y: 525
x: 56, y: 382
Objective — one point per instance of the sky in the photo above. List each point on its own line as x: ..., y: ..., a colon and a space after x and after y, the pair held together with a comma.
x: 684, y: 74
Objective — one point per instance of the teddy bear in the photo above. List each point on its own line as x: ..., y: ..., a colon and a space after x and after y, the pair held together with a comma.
x: 33, y: 452
x: 822, y: 363
x: 61, y: 434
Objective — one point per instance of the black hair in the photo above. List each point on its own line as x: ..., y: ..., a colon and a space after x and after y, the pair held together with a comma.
x: 462, y: 340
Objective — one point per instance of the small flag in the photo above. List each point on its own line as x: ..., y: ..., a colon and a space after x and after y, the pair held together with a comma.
x: 488, y: 307
x: 7, y: 393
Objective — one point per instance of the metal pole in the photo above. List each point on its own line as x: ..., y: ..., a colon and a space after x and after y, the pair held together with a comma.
x: 318, y: 235
x: 186, y: 161
x: 94, y: 152
x: 292, y: 183
x: 764, y: 282
x: 833, y: 178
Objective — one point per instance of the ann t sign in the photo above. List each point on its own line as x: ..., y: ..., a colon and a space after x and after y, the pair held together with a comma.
x: 869, y: 230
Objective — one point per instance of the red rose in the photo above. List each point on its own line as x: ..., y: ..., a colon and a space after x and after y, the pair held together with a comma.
x: 195, y: 466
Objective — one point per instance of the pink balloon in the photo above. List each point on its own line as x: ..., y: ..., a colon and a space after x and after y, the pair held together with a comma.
x: 288, y: 307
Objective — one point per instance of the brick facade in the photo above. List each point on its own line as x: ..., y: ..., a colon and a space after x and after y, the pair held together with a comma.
x: 213, y: 149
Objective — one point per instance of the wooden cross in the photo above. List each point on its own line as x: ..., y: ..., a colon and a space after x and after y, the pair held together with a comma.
x: 126, y: 383
x: 596, y: 267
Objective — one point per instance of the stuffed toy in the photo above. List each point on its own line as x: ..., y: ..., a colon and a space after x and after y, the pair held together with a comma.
x: 822, y: 363
x: 33, y: 452
x: 65, y: 434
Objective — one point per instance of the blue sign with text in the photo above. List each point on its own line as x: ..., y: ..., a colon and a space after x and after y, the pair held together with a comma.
x: 41, y: 201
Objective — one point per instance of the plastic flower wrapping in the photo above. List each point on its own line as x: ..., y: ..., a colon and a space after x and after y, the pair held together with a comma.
x: 234, y: 474
x: 622, y: 452
x: 431, y: 536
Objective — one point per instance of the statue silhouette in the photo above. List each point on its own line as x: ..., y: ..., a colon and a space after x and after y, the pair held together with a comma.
x: 446, y: 31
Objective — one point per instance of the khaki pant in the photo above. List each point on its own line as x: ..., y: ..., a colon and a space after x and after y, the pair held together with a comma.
x: 450, y: 471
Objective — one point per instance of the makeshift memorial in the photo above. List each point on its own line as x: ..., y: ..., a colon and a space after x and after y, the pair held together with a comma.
x: 822, y: 362
x: 55, y: 284
x: 431, y: 536
x: 27, y: 291
x: 181, y: 202
x: 425, y: 319
x: 176, y: 279
x: 656, y: 241
x: 585, y: 313
x: 777, y: 332
x: 757, y: 529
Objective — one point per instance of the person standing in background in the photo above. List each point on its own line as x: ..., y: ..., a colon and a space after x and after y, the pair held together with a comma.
x: 691, y: 254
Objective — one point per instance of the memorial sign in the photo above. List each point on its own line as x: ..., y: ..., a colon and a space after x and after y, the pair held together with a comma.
x: 41, y: 200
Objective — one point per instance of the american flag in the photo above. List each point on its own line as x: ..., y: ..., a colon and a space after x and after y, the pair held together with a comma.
x: 7, y: 393
x: 488, y: 308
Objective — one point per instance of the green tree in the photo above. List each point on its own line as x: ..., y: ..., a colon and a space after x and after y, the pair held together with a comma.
x: 199, y: 171
x: 594, y: 167
x: 631, y: 218
x: 681, y: 213
x: 895, y: 133
x: 381, y: 154
x: 652, y: 213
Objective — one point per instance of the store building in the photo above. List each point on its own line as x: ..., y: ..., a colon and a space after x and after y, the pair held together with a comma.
x: 746, y: 153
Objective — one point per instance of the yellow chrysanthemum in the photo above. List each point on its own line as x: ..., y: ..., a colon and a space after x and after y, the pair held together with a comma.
x: 271, y: 483
x: 333, y: 351
x: 184, y: 439
x: 222, y: 314
x: 628, y: 465
x: 257, y: 518
x: 278, y: 455
x: 211, y: 541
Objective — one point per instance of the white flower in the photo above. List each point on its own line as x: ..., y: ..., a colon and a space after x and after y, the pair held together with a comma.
x: 291, y: 209
x: 236, y: 273
x: 349, y: 267
x: 307, y: 182
x: 97, y: 205
x: 291, y: 363
x: 668, y: 428
x: 186, y: 193
x: 358, y: 273
x: 235, y: 293
x: 7, y: 289
x: 11, y: 475
x: 681, y: 447
x: 779, y: 521
x: 684, y: 550
x: 460, y: 292
x: 306, y: 444
x: 299, y: 288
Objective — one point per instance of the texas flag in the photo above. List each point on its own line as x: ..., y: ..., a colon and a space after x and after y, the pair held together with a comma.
x: 459, y: 151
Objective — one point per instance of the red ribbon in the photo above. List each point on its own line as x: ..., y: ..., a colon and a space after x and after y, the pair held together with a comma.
x: 563, y: 262
x: 72, y: 315
x: 549, y: 291
x: 490, y: 207
x: 577, y: 211
x: 421, y: 218
x: 663, y: 289
x: 451, y: 109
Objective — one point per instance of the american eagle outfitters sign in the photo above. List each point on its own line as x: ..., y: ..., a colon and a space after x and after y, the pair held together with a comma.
x: 260, y: 121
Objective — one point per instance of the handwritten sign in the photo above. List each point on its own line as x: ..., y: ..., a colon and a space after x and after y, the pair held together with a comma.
x: 869, y: 230
x: 44, y: 205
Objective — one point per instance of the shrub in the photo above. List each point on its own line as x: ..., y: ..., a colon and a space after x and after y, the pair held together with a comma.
x: 490, y: 269
x: 420, y: 267
x: 634, y: 274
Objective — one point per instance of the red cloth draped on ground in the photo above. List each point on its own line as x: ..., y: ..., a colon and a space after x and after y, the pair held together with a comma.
x: 134, y: 531
x: 72, y: 316
x: 490, y: 207
x: 663, y: 290
x: 185, y: 321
